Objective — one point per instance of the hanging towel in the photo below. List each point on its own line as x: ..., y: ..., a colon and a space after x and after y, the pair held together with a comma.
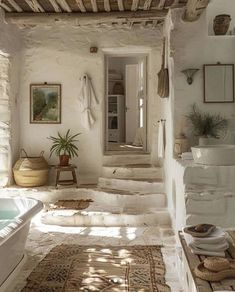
x: 87, y: 99
x: 161, y: 139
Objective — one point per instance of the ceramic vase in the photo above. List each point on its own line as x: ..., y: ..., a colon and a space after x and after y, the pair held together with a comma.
x: 221, y: 24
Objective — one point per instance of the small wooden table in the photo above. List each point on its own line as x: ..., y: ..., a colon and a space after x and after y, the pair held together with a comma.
x: 193, y: 260
x: 67, y: 182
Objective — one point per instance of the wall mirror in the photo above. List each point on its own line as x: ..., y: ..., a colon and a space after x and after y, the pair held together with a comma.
x: 218, y: 83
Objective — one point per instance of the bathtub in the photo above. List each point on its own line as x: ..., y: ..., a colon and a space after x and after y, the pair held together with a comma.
x: 15, y: 217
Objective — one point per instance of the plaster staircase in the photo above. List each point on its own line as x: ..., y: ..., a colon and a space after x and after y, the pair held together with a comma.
x: 130, y: 192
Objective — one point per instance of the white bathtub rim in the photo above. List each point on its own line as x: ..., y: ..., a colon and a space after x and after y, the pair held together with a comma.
x: 20, y: 221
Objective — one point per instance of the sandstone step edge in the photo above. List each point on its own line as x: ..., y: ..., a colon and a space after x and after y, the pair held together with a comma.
x: 94, y: 219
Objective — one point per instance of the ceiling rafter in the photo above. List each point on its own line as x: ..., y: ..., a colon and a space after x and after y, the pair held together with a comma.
x: 35, y: 6
x: 107, y: 7
x: 64, y: 5
x: 81, y: 5
x: 5, y: 7
x: 161, y: 4
x: 120, y: 5
x: 94, y: 5
x: 134, y: 5
x: 194, y: 9
x: 85, y: 19
x: 55, y: 5
x: 147, y: 4
x: 15, y: 5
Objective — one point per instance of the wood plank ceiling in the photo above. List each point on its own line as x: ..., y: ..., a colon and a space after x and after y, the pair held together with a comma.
x: 101, y: 10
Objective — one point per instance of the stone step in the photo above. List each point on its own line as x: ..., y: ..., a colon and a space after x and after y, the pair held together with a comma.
x: 143, y: 185
x: 96, y: 216
x: 102, y: 196
x: 132, y: 171
x: 123, y: 159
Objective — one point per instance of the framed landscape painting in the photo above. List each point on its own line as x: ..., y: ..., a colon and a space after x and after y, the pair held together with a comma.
x: 45, y: 103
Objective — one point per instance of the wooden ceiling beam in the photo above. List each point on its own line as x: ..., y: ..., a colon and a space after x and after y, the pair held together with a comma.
x: 15, y: 5
x: 194, y: 9
x: 5, y: 7
x: 107, y: 7
x: 84, y: 19
x: 64, y: 5
x: 161, y: 4
x: 120, y: 5
x: 35, y: 6
x: 94, y: 6
x: 55, y: 5
x: 81, y: 5
x: 147, y: 4
x: 135, y: 4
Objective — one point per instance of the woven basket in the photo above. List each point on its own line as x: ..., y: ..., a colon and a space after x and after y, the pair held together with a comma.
x: 31, y: 171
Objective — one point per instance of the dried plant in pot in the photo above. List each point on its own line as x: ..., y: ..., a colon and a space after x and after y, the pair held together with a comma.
x: 206, y: 126
x: 64, y: 147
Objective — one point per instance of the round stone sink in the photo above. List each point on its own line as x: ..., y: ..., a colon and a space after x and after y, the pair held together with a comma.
x: 214, y: 154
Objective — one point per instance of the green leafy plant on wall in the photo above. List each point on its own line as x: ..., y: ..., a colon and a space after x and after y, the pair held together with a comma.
x: 206, y: 124
x: 64, y: 146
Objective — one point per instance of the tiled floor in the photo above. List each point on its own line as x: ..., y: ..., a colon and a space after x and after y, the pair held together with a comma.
x: 44, y: 237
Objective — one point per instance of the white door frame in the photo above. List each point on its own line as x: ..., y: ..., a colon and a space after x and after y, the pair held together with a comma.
x: 112, y: 53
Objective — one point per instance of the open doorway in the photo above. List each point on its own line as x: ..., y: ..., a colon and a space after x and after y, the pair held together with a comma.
x: 126, y: 103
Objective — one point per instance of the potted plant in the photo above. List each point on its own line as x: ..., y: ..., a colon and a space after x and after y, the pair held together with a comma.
x: 64, y: 147
x: 206, y: 125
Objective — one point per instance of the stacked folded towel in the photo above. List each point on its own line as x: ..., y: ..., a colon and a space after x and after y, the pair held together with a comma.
x: 213, y: 244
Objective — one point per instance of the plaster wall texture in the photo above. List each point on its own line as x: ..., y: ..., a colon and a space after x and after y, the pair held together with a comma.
x: 204, y: 194
x: 61, y: 55
x: 192, y: 47
x: 10, y: 48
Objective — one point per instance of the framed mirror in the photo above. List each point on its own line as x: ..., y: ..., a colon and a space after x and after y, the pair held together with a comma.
x: 218, y: 83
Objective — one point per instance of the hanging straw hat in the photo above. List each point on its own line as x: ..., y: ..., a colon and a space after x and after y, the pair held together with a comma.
x: 215, y: 269
x: 200, y: 230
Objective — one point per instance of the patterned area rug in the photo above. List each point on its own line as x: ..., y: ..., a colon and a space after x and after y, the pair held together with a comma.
x: 71, y: 205
x: 73, y: 268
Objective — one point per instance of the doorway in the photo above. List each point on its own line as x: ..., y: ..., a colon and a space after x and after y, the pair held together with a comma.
x: 126, y: 101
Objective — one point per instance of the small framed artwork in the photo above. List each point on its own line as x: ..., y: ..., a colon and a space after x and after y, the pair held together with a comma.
x: 45, y: 103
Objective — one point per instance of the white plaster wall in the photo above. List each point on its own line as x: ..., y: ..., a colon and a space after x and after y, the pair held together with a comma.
x: 220, y: 7
x: 10, y: 46
x: 192, y: 48
x: 61, y: 55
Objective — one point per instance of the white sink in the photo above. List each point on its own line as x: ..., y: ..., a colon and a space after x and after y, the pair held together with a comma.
x: 214, y: 154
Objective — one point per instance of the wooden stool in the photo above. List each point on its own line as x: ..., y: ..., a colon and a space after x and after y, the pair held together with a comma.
x: 67, y: 182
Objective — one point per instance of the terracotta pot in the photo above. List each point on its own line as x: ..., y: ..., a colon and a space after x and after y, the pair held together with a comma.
x: 221, y: 24
x: 64, y: 160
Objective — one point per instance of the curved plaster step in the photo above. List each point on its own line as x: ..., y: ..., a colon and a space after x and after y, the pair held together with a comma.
x: 122, y: 159
x: 93, y: 216
x: 134, y: 185
x: 102, y: 196
x: 132, y: 171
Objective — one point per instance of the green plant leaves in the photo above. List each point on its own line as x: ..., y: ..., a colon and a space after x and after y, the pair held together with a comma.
x: 206, y: 124
x: 64, y: 145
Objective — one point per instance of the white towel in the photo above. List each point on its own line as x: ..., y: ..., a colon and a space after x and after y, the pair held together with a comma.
x: 161, y: 139
x: 210, y: 247
x: 208, y: 253
x: 214, y: 244
x: 87, y: 99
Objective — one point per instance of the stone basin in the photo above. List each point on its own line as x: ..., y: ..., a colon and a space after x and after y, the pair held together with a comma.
x: 214, y: 154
